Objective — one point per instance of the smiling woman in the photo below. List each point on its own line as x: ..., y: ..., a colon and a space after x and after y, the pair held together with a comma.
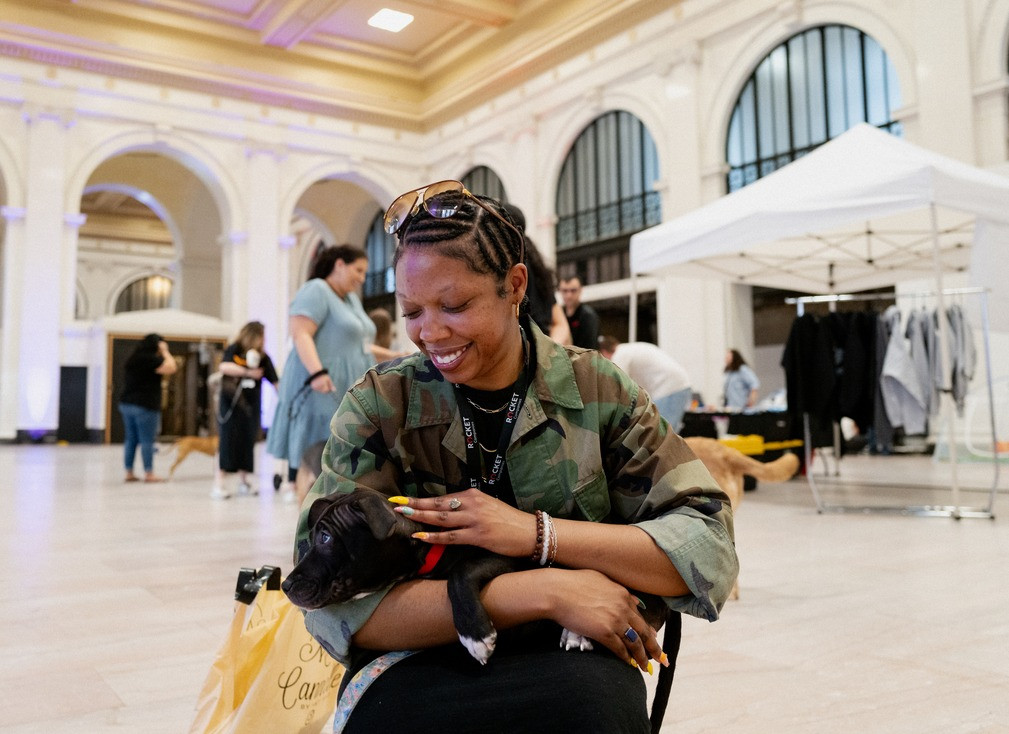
x: 495, y: 436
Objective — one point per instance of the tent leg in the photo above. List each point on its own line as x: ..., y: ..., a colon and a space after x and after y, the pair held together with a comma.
x: 632, y: 317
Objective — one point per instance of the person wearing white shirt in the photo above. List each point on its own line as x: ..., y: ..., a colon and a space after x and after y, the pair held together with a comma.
x: 663, y: 378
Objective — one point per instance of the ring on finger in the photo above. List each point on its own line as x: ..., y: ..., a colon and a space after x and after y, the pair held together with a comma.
x: 631, y: 635
x: 454, y: 504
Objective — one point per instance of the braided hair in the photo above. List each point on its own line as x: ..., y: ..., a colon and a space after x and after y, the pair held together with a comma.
x: 486, y: 244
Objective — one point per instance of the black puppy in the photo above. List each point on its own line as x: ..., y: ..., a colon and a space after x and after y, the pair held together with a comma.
x: 359, y: 545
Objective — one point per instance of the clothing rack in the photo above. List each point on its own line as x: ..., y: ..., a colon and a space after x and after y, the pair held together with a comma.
x: 955, y: 510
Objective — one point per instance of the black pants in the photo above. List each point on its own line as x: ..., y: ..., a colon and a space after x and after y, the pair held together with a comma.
x: 532, y: 689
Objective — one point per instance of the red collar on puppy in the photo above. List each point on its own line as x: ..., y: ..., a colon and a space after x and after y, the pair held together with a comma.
x: 434, y: 554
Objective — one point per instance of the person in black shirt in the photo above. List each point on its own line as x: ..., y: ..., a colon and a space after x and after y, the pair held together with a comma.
x: 244, y: 366
x: 582, y: 318
x: 140, y: 402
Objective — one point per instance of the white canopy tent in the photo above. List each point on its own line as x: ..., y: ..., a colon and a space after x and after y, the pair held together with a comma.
x: 864, y: 210
x: 853, y: 214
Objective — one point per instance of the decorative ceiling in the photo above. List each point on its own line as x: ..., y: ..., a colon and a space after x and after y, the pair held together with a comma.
x: 321, y: 56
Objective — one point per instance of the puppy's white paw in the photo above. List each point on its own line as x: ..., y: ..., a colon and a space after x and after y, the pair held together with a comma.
x: 481, y: 649
x: 572, y: 640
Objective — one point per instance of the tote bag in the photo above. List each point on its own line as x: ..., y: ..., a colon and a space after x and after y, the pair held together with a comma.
x: 270, y: 675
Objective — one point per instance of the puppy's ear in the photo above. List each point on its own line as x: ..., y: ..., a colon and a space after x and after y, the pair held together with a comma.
x: 318, y: 508
x: 378, y: 514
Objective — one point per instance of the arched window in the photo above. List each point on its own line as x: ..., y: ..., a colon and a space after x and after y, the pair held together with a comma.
x: 154, y: 291
x: 380, y: 248
x: 482, y: 181
x: 808, y: 90
x: 604, y: 195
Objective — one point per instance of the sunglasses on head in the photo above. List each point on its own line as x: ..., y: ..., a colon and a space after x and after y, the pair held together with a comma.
x: 432, y: 199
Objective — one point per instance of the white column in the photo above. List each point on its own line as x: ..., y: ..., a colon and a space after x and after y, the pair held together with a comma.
x: 264, y: 295
x: 43, y: 273
x: 72, y: 224
x: 234, y: 258
x: 945, y: 99
x: 708, y: 315
x: 10, y: 311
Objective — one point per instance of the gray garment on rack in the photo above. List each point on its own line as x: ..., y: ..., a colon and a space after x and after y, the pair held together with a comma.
x: 903, y: 393
x: 930, y: 332
x: 963, y: 355
x: 917, y: 332
x: 881, y: 424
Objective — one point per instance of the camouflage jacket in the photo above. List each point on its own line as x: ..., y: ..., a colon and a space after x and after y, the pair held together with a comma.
x: 588, y: 445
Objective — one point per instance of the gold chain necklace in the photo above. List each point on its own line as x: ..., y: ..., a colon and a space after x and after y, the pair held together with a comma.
x: 488, y: 410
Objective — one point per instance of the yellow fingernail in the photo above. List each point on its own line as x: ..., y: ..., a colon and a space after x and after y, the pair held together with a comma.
x: 649, y: 668
x: 397, y: 500
x: 420, y: 536
x: 664, y: 659
x: 633, y: 662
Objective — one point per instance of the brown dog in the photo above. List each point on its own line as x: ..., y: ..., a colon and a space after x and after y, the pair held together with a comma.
x: 188, y: 444
x: 728, y: 465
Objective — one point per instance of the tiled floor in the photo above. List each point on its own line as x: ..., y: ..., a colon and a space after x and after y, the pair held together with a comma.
x: 118, y: 596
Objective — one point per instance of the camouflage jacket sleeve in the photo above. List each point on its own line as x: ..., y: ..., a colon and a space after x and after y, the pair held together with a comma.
x: 635, y: 470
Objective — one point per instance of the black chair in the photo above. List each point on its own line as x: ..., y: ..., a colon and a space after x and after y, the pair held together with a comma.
x: 671, y: 647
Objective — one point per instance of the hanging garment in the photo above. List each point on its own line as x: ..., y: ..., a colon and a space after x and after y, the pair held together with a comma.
x: 808, y: 361
x: 914, y: 333
x: 859, y: 375
x: 963, y: 355
x: 903, y: 394
x: 882, y: 440
x: 930, y: 334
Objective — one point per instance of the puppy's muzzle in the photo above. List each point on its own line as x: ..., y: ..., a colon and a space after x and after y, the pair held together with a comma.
x: 304, y: 592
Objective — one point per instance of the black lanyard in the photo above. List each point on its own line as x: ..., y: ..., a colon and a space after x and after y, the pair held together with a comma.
x: 497, y: 463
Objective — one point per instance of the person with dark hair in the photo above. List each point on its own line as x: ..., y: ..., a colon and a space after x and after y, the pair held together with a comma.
x: 243, y: 368
x: 494, y: 435
x: 332, y: 337
x: 140, y: 402
x: 582, y: 318
x: 740, y: 383
x: 542, y: 303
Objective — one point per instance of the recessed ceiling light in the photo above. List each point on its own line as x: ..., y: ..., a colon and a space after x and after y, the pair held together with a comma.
x: 390, y: 20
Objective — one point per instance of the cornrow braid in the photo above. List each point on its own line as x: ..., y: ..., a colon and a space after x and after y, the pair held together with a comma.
x: 482, y: 241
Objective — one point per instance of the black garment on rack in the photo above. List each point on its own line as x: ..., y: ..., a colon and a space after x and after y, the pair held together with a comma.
x: 810, y: 379
x: 856, y: 396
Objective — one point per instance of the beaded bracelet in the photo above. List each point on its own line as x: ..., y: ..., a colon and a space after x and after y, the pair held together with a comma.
x: 538, y: 550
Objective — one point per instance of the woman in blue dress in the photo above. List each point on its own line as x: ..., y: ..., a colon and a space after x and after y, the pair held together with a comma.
x: 332, y: 337
x: 741, y: 382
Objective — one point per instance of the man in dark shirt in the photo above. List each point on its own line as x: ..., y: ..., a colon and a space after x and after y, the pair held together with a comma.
x: 582, y: 318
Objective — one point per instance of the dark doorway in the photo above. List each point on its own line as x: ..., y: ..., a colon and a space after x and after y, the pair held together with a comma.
x: 186, y: 407
x: 73, y: 405
x: 614, y: 317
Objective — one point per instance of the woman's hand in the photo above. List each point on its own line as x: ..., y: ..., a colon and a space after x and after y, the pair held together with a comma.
x: 591, y: 604
x: 322, y: 383
x: 255, y: 374
x: 473, y: 518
